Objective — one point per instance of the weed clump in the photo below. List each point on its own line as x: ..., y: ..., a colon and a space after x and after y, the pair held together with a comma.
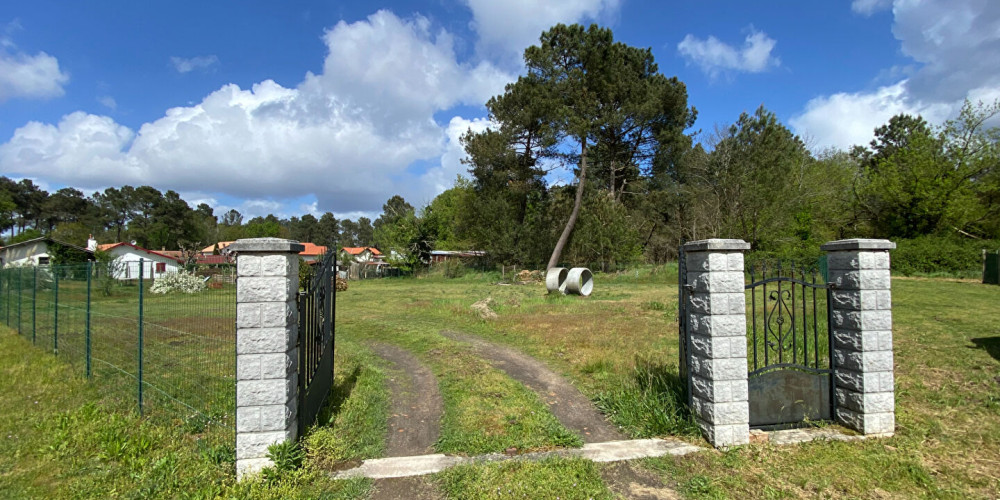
x: 649, y: 402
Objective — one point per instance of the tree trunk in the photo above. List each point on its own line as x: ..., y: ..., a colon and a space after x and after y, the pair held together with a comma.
x: 564, y: 237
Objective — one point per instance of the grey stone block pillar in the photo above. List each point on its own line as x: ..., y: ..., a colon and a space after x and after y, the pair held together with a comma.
x: 266, y: 356
x: 717, y: 326
x: 862, y: 334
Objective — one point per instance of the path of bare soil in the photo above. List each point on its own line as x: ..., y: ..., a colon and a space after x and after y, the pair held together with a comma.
x: 572, y: 408
x: 414, y: 422
x: 630, y: 481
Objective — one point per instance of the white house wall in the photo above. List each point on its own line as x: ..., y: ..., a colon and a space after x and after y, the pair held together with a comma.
x: 129, y: 259
x: 25, y: 255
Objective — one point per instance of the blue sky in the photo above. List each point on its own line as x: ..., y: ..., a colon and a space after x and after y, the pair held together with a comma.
x: 304, y: 106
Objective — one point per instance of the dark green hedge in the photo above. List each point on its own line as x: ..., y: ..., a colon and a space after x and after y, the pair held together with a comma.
x: 940, y: 255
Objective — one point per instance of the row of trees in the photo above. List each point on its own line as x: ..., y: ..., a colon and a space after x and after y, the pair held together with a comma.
x: 590, y: 162
x: 155, y: 219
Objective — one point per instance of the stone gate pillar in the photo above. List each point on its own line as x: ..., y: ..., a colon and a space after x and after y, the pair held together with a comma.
x: 861, y: 317
x: 266, y: 356
x: 717, y: 327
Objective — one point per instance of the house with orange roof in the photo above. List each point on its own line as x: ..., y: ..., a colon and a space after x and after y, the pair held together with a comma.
x: 209, y: 250
x: 362, y: 254
x: 131, y: 261
x: 312, y: 252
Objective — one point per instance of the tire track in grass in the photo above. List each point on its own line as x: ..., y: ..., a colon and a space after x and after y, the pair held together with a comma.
x: 414, y: 421
x: 486, y: 410
x: 415, y: 418
x: 574, y: 410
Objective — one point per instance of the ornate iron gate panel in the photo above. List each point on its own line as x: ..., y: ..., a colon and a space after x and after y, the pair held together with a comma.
x: 684, y: 340
x: 789, y: 354
x: 317, y: 306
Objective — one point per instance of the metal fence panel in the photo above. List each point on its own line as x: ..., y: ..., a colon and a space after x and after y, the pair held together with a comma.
x: 177, y: 350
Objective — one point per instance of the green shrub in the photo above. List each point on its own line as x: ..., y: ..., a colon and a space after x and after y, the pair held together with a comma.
x: 181, y: 281
x: 937, y: 255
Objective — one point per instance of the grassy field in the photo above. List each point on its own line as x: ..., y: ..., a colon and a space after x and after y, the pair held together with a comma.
x: 187, y: 340
x: 619, y: 346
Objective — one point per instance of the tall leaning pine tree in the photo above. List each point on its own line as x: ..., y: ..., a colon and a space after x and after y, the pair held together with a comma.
x: 594, y: 84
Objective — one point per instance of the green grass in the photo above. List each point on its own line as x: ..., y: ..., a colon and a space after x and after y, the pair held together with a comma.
x: 619, y: 346
x: 60, y: 438
x: 484, y: 410
x: 352, y: 425
x: 549, y: 478
x: 188, y: 341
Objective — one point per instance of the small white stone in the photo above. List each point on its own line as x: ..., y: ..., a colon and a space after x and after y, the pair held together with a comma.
x: 874, y: 280
x: 263, y: 340
x: 254, y: 444
x: 876, y: 320
x: 248, y: 315
x: 264, y: 392
x: 248, y: 419
x: 248, y: 265
x: 248, y: 367
x: 277, y: 265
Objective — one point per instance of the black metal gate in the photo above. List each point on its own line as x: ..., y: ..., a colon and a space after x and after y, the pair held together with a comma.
x: 684, y: 341
x: 317, y: 305
x: 789, y: 354
x: 991, y: 267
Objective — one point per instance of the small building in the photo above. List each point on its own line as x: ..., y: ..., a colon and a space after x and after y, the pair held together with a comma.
x: 438, y: 256
x: 220, y: 246
x: 128, y: 256
x: 213, y: 260
x: 312, y: 252
x: 363, y: 254
x: 38, y: 252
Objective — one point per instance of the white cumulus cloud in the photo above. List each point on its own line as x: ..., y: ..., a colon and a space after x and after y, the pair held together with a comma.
x: 869, y: 7
x: 347, y: 136
x: 508, y: 27
x: 187, y: 65
x: 846, y: 119
x: 716, y: 57
x: 951, y: 42
x: 443, y: 177
x: 29, y: 76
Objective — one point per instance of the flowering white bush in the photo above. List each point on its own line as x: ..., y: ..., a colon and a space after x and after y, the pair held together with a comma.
x: 182, y: 281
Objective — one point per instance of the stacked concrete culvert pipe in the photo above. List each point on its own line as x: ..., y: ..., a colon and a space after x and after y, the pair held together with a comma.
x: 555, y: 280
x: 579, y: 281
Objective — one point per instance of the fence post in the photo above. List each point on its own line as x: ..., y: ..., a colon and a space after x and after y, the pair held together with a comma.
x: 140, y: 337
x: 55, y: 311
x: 6, y: 281
x: 267, y: 373
x: 34, y: 302
x: 861, y: 318
x: 20, y: 289
x: 87, y: 328
x: 717, y: 327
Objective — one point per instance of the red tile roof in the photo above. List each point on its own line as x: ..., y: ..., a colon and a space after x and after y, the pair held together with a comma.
x: 313, y: 249
x: 211, y: 248
x: 212, y: 259
x: 358, y: 250
x: 108, y: 246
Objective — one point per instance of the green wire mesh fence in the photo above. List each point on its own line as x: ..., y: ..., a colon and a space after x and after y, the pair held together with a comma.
x: 170, y: 356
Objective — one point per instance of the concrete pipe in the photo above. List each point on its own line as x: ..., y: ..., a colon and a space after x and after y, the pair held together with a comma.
x: 555, y: 280
x: 579, y: 281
